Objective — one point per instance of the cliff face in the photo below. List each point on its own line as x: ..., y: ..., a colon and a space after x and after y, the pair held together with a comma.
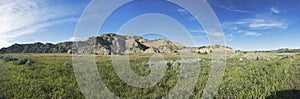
x: 111, y: 44
x: 104, y: 44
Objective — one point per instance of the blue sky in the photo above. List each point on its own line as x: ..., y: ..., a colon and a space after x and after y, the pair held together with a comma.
x: 247, y: 24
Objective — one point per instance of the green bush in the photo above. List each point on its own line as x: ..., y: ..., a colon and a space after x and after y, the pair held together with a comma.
x: 23, y: 61
x: 29, y: 62
x: 68, y: 64
x: 9, y: 58
x: 169, y: 64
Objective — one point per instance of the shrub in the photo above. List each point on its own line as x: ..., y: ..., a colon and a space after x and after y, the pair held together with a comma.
x: 9, y: 58
x: 169, y: 64
x: 68, y: 64
x: 202, y: 47
x: 146, y: 64
x: 29, y: 62
x: 22, y: 61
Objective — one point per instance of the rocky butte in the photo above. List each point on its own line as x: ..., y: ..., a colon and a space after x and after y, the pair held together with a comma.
x: 109, y: 44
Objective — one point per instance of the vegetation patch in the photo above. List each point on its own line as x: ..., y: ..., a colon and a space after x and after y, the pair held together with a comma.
x: 52, y: 76
x: 17, y: 61
x: 9, y: 58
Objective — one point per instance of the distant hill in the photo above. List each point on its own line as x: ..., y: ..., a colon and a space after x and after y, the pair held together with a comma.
x: 287, y: 50
x: 109, y: 44
x: 104, y: 44
x: 38, y: 48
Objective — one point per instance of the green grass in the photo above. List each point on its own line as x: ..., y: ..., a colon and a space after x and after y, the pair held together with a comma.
x: 49, y: 77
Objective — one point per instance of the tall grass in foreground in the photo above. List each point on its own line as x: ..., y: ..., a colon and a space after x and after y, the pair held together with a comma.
x: 50, y: 76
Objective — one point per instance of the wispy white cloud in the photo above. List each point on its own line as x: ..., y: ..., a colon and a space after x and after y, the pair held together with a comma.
x: 197, y: 31
x: 245, y: 32
x: 231, y: 8
x: 274, y: 10
x: 182, y: 11
x: 36, y: 27
x: 236, y: 10
x: 229, y: 37
x: 252, y: 33
x: 268, y: 25
x: 24, y: 17
x: 212, y: 33
x: 74, y: 39
x: 256, y: 24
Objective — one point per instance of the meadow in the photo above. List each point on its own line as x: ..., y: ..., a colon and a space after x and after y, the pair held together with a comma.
x: 52, y: 76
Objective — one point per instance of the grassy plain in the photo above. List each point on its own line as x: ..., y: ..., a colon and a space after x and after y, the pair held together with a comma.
x: 51, y: 76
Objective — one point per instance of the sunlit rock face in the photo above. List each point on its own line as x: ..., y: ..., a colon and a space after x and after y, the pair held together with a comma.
x: 104, y: 44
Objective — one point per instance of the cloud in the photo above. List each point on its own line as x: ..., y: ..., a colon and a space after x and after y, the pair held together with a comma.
x: 231, y: 8
x: 36, y: 27
x: 74, y: 39
x: 212, y: 33
x: 182, y: 11
x: 197, y: 31
x: 256, y: 24
x: 274, y: 10
x: 229, y: 37
x: 252, y: 34
x: 23, y: 17
x: 236, y: 10
x: 215, y: 34
x: 263, y: 24
x: 268, y: 25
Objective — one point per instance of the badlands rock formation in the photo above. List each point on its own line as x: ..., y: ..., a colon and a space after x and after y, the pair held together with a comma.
x: 109, y: 44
